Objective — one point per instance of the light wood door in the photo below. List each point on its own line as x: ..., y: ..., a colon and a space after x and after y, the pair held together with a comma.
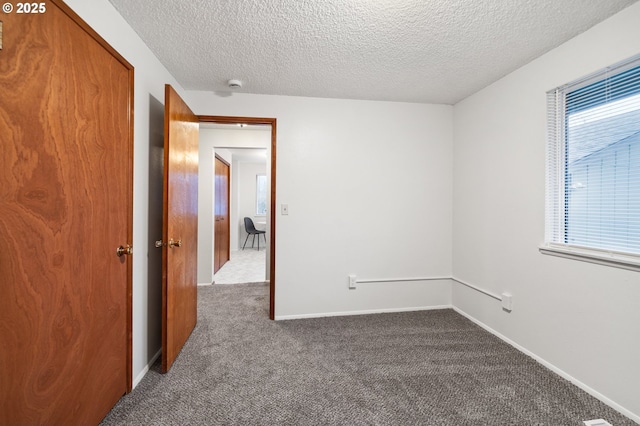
x: 65, y: 206
x: 221, y: 207
x: 180, y: 226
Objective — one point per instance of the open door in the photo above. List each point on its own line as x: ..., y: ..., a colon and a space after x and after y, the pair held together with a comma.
x: 180, y: 226
x: 221, y: 207
x: 65, y: 220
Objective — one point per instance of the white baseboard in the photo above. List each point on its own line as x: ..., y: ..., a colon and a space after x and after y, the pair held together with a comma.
x: 558, y: 371
x: 204, y: 284
x: 365, y: 312
x: 146, y: 368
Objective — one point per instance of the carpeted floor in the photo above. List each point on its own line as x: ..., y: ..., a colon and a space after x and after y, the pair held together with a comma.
x: 419, y: 368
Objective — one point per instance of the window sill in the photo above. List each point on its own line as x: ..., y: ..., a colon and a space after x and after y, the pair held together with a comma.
x: 600, y: 257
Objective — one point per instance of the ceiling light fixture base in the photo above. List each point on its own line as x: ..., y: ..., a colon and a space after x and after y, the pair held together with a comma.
x: 234, y: 84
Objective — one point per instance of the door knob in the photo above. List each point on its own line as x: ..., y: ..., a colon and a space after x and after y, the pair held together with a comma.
x: 173, y: 243
x: 121, y: 251
x: 159, y: 244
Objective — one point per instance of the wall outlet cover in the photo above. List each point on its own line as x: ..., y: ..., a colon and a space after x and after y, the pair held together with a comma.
x: 507, y: 302
x: 352, y: 282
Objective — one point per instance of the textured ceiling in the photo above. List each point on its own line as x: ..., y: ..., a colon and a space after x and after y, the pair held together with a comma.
x: 436, y: 51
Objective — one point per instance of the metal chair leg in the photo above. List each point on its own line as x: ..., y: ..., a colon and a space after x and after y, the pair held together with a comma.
x: 245, y: 241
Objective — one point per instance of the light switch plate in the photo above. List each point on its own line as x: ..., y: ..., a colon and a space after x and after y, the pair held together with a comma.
x: 284, y: 209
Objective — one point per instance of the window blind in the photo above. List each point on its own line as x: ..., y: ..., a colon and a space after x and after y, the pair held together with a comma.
x: 593, y: 161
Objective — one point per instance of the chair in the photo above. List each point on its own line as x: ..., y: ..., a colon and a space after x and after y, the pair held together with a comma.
x: 250, y: 229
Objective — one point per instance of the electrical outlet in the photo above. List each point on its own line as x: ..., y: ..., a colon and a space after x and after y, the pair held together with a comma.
x: 352, y: 282
x: 507, y: 302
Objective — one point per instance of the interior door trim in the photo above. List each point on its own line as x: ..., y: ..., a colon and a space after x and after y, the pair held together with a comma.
x: 126, y: 168
x: 272, y: 223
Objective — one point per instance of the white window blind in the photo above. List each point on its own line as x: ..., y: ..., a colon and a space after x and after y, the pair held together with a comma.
x: 261, y: 195
x: 593, y: 163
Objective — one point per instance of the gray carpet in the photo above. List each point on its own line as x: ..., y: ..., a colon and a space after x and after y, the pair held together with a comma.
x: 422, y: 368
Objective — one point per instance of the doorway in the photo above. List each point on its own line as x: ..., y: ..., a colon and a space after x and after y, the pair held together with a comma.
x: 268, y: 124
x: 248, y: 206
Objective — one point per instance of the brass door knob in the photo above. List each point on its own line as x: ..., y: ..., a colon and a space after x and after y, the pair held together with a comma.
x: 173, y: 243
x: 121, y: 251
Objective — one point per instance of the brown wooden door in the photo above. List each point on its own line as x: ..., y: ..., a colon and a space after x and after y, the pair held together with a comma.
x: 180, y: 226
x: 65, y: 206
x: 221, y: 207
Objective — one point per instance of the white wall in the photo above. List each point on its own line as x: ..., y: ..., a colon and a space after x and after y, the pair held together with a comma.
x: 150, y: 78
x: 368, y: 186
x: 214, y: 141
x: 582, y: 318
x: 247, y: 192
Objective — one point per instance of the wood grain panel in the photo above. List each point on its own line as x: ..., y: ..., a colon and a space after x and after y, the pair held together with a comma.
x: 221, y: 216
x: 180, y: 222
x: 65, y: 205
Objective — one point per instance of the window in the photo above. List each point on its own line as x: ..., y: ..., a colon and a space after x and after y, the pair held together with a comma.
x: 261, y: 195
x: 593, y: 167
